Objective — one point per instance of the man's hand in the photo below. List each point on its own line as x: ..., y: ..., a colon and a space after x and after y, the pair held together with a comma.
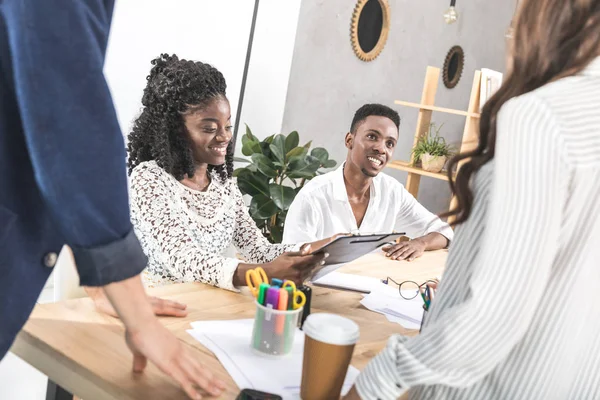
x: 161, y: 307
x: 406, y: 250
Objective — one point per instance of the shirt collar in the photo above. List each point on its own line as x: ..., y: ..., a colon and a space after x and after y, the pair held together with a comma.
x: 593, y: 68
x: 339, y: 186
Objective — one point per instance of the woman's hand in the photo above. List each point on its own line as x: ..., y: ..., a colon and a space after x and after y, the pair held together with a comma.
x: 295, y: 266
x: 149, y: 340
x: 155, y: 343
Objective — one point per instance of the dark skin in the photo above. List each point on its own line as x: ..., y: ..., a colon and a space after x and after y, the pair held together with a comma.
x: 370, y: 148
x: 210, y: 132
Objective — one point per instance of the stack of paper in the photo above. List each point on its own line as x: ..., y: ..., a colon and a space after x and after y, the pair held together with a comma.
x: 357, y: 283
x: 230, y: 342
x: 387, y: 301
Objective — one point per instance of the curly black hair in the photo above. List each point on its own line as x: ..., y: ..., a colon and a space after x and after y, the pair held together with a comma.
x: 174, y: 87
x: 374, y: 109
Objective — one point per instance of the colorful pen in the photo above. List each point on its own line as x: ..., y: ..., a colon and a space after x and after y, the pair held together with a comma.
x: 290, y: 292
x: 272, y: 298
x: 282, y: 306
x: 276, y: 282
x: 262, y: 293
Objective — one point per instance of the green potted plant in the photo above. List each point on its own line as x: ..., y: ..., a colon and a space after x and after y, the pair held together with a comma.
x: 278, y: 168
x: 432, y: 150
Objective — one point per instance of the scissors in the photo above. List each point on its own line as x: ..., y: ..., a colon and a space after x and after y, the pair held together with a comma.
x: 298, y: 298
x: 254, y: 277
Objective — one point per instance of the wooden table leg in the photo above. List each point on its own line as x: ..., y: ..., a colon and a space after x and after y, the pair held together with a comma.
x: 55, y: 392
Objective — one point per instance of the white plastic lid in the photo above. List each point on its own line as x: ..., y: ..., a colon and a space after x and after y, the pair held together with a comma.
x: 331, y: 328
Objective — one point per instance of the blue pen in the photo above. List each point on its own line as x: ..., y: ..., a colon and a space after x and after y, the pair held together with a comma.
x: 276, y: 282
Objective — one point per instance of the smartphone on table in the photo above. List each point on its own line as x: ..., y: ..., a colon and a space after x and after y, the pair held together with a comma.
x: 251, y: 394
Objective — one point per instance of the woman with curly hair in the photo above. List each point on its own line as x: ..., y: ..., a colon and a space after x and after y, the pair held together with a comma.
x: 186, y: 209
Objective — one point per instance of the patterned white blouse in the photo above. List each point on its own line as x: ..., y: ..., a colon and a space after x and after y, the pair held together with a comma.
x: 185, y: 232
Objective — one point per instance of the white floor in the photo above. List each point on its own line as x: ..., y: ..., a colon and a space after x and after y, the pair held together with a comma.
x: 19, y: 380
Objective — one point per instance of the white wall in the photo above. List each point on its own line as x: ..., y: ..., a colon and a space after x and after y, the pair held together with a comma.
x: 213, y: 31
x: 270, y: 65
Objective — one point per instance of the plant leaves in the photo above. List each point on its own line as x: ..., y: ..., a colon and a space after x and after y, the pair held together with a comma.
x: 329, y: 164
x: 307, y: 145
x: 240, y: 159
x: 320, y: 153
x: 250, y: 135
x: 251, y: 147
x: 265, y: 149
x: 262, y: 207
x: 297, y: 151
x: 252, y: 183
x: 282, y: 195
x: 304, y: 168
x: 278, y: 148
x: 264, y: 165
x: 269, y: 139
x: 291, y: 141
x: 276, y: 234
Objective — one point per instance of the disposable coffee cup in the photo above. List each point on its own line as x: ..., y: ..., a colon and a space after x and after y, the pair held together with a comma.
x: 328, y: 347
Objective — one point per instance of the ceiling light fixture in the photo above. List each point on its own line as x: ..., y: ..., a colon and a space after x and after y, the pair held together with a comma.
x: 450, y: 16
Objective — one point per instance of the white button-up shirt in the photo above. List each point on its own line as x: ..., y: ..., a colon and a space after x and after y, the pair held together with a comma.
x: 321, y: 209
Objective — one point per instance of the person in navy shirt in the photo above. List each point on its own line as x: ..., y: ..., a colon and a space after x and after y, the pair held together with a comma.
x: 63, y: 177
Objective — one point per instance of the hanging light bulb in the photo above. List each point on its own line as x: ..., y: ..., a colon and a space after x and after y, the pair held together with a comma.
x: 450, y: 16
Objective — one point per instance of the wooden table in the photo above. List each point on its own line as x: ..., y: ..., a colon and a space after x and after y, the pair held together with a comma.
x: 84, y: 352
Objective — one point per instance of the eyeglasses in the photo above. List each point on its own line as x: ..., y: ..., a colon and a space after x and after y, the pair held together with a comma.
x: 410, y: 289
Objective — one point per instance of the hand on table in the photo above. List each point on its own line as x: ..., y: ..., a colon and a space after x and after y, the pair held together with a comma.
x: 161, y: 307
x: 155, y: 343
x: 408, y: 250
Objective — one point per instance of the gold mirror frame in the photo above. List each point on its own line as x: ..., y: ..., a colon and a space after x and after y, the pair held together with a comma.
x: 371, y: 55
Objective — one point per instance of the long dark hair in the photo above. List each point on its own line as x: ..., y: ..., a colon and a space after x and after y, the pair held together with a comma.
x: 175, y: 87
x: 553, y: 39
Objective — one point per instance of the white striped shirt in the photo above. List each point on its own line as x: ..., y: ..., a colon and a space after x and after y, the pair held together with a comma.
x: 517, y: 314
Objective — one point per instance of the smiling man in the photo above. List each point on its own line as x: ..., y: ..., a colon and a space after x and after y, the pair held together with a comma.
x: 359, y: 198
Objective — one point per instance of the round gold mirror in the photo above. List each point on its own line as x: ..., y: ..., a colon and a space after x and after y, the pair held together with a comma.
x: 453, y: 66
x: 370, y: 27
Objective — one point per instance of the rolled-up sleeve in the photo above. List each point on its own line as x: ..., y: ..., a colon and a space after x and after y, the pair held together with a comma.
x: 72, y: 134
x: 416, y: 220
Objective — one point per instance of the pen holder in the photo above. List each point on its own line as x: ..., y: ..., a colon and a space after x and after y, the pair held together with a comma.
x: 274, y: 330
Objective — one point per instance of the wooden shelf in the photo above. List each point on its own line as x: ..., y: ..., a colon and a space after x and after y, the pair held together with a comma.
x: 405, y: 166
x: 437, y: 109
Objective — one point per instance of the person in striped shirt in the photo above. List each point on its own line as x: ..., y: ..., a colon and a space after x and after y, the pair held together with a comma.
x: 516, y: 316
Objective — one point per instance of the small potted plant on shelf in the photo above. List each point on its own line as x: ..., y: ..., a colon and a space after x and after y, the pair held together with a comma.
x: 432, y: 150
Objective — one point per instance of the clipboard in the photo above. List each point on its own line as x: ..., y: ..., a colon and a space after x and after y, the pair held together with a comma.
x: 348, y: 248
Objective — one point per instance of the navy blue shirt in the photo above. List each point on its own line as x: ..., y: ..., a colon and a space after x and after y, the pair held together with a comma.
x: 62, y: 156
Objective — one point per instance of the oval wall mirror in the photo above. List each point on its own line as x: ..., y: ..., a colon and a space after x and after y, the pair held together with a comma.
x: 369, y: 28
x: 453, y: 66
